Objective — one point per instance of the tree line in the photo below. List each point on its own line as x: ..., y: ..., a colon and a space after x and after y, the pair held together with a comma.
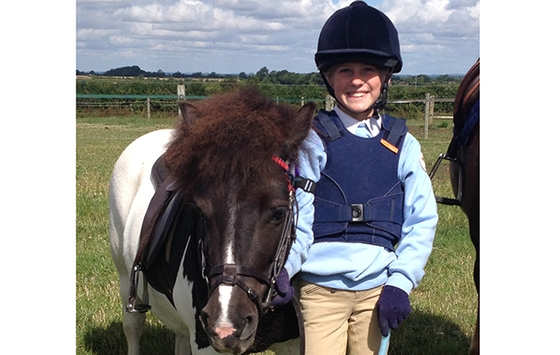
x: 284, y: 85
x: 132, y: 80
x: 265, y: 76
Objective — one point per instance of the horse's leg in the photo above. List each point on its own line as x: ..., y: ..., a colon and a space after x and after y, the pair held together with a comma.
x: 475, y: 345
x: 132, y: 322
x: 472, y: 210
x: 474, y: 231
x: 474, y: 227
x: 182, y: 345
x: 132, y: 326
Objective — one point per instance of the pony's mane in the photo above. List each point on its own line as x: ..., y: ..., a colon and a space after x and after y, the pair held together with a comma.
x: 233, y: 136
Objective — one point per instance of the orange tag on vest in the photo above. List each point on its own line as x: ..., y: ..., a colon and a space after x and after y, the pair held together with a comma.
x: 389, y: 146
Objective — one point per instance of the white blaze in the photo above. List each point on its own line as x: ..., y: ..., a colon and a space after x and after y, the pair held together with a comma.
x: 225, y: 291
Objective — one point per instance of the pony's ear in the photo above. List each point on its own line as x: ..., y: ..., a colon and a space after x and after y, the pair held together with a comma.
x: 297, y: 130
x: 302, y: 122
x: 188, y: 111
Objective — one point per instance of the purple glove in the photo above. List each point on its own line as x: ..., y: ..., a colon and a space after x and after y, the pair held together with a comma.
x: 284, y: 292
x: 392, y: 308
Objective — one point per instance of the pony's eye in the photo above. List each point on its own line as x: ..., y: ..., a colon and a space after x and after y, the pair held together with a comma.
x: 278, y: 215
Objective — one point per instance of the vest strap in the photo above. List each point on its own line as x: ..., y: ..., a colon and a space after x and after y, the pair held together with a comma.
x: 332, y: 130
x: 392, y: 140
x: 379, y: 210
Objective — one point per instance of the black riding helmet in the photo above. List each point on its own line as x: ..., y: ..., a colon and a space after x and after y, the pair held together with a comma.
x: 359, y: 33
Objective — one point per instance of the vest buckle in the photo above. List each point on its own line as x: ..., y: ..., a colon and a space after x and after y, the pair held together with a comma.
x: 357, y: 212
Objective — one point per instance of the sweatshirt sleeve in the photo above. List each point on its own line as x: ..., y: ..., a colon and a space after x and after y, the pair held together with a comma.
x: 311, y: 161
x: 420, y: 219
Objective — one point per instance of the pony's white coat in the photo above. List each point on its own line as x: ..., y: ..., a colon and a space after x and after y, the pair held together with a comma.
x: 130, y: 192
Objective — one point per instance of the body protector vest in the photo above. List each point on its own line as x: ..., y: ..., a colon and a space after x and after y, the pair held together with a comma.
x: 359, y: 197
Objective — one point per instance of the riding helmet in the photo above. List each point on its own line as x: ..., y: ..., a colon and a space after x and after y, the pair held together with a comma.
x: 360, y: 33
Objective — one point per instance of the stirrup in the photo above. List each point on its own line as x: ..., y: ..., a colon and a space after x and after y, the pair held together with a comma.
x: 132, y: 306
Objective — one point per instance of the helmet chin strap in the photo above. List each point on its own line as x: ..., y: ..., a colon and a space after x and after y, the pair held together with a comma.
x: 382, y: 100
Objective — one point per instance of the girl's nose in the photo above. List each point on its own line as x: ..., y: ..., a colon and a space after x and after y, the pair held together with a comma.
x: 357, y: 80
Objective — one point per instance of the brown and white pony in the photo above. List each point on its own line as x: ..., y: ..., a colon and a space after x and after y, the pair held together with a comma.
x: 225, y: 215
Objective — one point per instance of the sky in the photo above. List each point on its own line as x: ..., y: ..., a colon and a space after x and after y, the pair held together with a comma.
x: 234, y: 36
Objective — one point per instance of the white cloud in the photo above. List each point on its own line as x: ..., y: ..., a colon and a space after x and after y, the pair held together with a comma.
x: 235, y: 35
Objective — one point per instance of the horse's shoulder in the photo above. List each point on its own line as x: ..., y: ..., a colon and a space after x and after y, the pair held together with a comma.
x: 143, y: 151
x: 153, y: 139
x: 131, y: 177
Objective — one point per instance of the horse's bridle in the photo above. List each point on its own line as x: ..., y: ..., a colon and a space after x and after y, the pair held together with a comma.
x: 229, y: 274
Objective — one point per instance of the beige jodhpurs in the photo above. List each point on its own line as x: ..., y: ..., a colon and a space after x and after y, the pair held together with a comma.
x: 339, y: 322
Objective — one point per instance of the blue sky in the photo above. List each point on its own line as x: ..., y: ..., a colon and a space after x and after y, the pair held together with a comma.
x: 233, y: 36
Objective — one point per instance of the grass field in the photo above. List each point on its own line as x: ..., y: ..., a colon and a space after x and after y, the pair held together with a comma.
x: 444, y: 305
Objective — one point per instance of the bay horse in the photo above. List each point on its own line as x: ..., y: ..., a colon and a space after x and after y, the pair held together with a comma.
x: 464, y: 170
x: 201, y: 221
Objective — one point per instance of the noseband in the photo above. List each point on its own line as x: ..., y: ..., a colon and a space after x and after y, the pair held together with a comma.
x: 231, y: 274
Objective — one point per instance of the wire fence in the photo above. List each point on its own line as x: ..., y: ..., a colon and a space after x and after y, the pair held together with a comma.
x: 148, y: 105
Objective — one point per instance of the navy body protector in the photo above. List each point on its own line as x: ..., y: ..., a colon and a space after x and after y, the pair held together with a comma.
x: 359, y: 197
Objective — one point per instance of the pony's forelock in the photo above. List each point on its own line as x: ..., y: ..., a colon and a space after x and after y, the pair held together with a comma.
x: 242, y: 127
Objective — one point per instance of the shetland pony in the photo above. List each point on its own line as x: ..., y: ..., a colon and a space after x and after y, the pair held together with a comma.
x: 227, y: 221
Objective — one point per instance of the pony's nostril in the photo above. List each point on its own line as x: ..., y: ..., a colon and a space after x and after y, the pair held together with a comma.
x: 248, y: 329
x: 204, y: 319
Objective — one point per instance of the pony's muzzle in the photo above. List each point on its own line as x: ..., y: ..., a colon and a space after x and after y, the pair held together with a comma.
x: 233, y: 328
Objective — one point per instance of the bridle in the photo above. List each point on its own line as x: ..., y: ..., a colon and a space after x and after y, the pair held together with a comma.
x: 231, y: 274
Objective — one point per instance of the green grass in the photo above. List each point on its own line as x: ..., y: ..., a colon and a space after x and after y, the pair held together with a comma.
x: 444, y: 305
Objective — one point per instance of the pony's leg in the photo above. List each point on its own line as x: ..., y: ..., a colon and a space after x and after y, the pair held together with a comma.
x: 132, y: 322
x: 182, y: 345
x: 289, y: 347
x: 132, y: 326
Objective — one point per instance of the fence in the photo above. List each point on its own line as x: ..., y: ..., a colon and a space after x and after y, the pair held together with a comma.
x: 146, y: 103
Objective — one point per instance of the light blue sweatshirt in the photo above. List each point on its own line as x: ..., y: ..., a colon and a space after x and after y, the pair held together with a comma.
x: 357, y: 266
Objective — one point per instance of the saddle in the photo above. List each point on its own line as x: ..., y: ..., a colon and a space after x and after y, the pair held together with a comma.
x: 162, y: 219
x: 160, y: 253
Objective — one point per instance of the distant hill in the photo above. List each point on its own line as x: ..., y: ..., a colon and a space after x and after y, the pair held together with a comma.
x: 125, y: 71
x: 129, y: 71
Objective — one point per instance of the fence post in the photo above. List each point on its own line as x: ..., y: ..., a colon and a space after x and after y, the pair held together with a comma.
x: 432, y: 106
x: 148, y: 107
x: 329, y: 103
x: 426, y: 115
x: 180, y: 95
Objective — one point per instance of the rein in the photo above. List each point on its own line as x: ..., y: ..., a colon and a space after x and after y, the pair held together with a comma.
x: 229, y: 274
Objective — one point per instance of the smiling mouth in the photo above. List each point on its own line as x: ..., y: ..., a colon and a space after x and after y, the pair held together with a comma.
x: 357, y: 95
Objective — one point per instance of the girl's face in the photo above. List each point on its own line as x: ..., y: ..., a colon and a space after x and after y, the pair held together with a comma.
x: 356, y: 86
